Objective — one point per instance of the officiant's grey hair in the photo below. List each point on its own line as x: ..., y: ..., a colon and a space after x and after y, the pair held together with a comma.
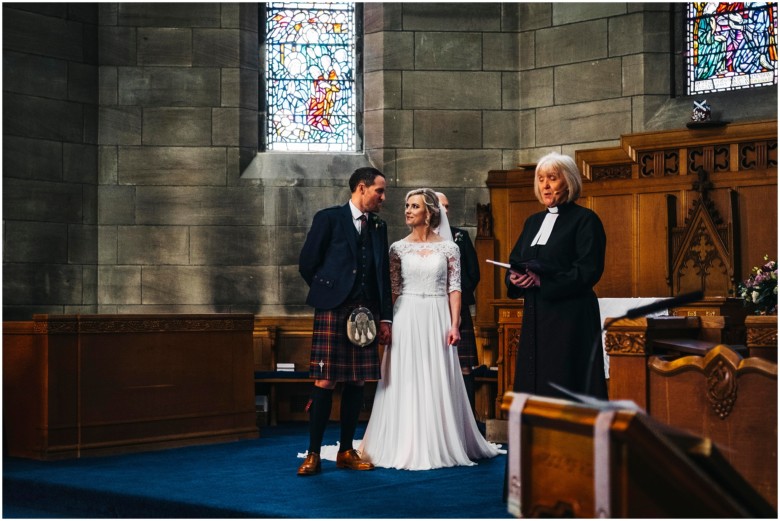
x: 566, y: 167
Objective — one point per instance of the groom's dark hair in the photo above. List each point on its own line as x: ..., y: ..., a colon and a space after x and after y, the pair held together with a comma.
x: 365, y: 174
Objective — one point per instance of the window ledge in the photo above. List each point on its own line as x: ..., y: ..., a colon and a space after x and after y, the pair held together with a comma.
x: 295, y: 168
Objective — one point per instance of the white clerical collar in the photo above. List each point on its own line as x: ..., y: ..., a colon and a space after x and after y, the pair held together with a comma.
x: 547, y: 227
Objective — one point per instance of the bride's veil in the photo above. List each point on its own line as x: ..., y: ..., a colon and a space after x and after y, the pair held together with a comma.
x: 444, y: 226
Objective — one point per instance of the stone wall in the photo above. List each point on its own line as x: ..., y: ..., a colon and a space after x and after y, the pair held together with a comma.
x: 49, y: 159
x: 132, y: 178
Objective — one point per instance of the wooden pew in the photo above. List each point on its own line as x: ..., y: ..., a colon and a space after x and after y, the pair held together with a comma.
x: 288, y: 339
x: 665, y: 367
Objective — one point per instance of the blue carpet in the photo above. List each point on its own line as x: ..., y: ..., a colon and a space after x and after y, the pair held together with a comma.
x: 253, y: 478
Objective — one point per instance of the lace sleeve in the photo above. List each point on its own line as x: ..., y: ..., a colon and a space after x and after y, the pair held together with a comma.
x: 396, y: 281
x: 453, y: 268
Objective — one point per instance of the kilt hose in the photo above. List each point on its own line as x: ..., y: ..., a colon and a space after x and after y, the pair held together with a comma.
x: 467, y: 348
x: 333, y: 356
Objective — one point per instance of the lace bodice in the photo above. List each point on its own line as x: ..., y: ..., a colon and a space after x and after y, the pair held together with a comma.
x: 424, y: 268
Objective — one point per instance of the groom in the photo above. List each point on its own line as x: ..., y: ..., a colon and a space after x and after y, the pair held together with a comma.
x: 345, y: 263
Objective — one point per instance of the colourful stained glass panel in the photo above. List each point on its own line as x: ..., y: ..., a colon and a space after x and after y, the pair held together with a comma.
x: 310, y: 77
x: 731, y: 45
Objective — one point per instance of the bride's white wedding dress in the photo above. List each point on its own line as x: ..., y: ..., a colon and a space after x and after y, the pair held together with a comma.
x: 421, y: 418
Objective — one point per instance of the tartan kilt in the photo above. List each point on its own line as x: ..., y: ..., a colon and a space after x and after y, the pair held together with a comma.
x: 333, y: 356
x: 467, y: 348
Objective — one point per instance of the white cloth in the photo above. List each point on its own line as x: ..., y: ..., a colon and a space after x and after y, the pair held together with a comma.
x: 617, y: 307
x: 444, y: 226
x: 421, y: 418
x: 355, y: 215
x: 543, y: 235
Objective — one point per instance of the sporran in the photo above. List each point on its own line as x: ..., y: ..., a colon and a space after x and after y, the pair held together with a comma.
x: 361, y: 328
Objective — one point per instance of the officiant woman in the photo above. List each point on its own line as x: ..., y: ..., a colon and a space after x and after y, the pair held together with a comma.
x: 563, y: 248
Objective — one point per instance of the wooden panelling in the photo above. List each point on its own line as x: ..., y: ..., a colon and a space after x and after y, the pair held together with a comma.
x: 652, y: 230
x: 618, y: 265
x: 79, y: 385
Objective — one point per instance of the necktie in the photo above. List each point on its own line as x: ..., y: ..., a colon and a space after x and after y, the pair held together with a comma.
x: 363, y: 226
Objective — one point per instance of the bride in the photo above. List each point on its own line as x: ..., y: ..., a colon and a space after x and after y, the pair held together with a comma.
x: 421, y: 417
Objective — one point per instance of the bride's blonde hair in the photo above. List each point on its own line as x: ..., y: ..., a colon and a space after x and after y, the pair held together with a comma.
x: 431, y: 205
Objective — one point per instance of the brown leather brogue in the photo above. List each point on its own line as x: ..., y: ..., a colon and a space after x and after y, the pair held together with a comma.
x: 311, y: 465
x: 350, y: 459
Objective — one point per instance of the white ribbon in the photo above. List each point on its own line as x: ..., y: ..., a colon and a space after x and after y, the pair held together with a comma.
x: 514, y: 482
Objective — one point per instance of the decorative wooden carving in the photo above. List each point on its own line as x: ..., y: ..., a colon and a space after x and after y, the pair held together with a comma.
x: 721, y: 368
x: 702, y: 251
x: 625, y: 343
x: 484, y: 221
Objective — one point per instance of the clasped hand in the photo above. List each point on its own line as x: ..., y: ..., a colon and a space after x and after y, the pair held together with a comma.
x: 526, y: 280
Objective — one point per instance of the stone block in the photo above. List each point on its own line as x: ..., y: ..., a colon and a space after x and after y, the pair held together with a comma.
x: 452, y: 90
x: 230, y: 15
x: 422, y: 16
x: 573, y: 43
x: 117, y: 45
x: 380, y: 16
x: 116, y: 204
x: 224, y: 285
x: 107, y: 13
x: 382, y: 90
x: 119, y: 285
x: 580, y: 122
x: 26, y: 241
x: 177, y: 126
x: 90, y: 113
x: 225, y: 126
x: 166, y: 14
x: 41, y: 285
x: 447, y: 129
x: 248, y: 125
x: 107, y: 244
x: 42, y: 118
x: 168, y: 86
x: 457, y: 51
x: 90, y: 204
x: 388, y: 51
x: 83, y: 12
x: 27, y: 158
x: 89, y: 292
x: 508, y: 129
x: 392, y: 128
x: 120, y: 125
x: 198, y: 206
x: 79, y: 163
x: 294, y: 289
x: 574, y: 12
x: 644, y: 74
x: 536, y: 89
x: 288, y: 243
x: 507, y: 51
x: 230, y: 87
x: 644, y: 109
x: 249, y: 50
x: 83, y: 83
x: 216, y: 48
x: 171, y: 166
x: 107, y: 85
x: 249, y: 18
x: 464, y: 168
x: 41, y: 35
x: 233, y: 245
x: 639, y: 33
x: 82, y: 244
x: 165, y: 46
x: 296, y: 206
x: 588, y: 81
x: 46, y: 9
x: 35, y: 75
x: 45, y: 201
x: 107, y: 165
x: 152, y: 245
x: 250, y: 87
x: 522, y: 16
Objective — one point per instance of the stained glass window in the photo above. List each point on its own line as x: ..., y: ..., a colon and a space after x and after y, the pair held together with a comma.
x: 310, y: 77
x: 731, y: 45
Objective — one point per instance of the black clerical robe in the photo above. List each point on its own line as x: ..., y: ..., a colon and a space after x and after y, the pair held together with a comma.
x: 561, y: 321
